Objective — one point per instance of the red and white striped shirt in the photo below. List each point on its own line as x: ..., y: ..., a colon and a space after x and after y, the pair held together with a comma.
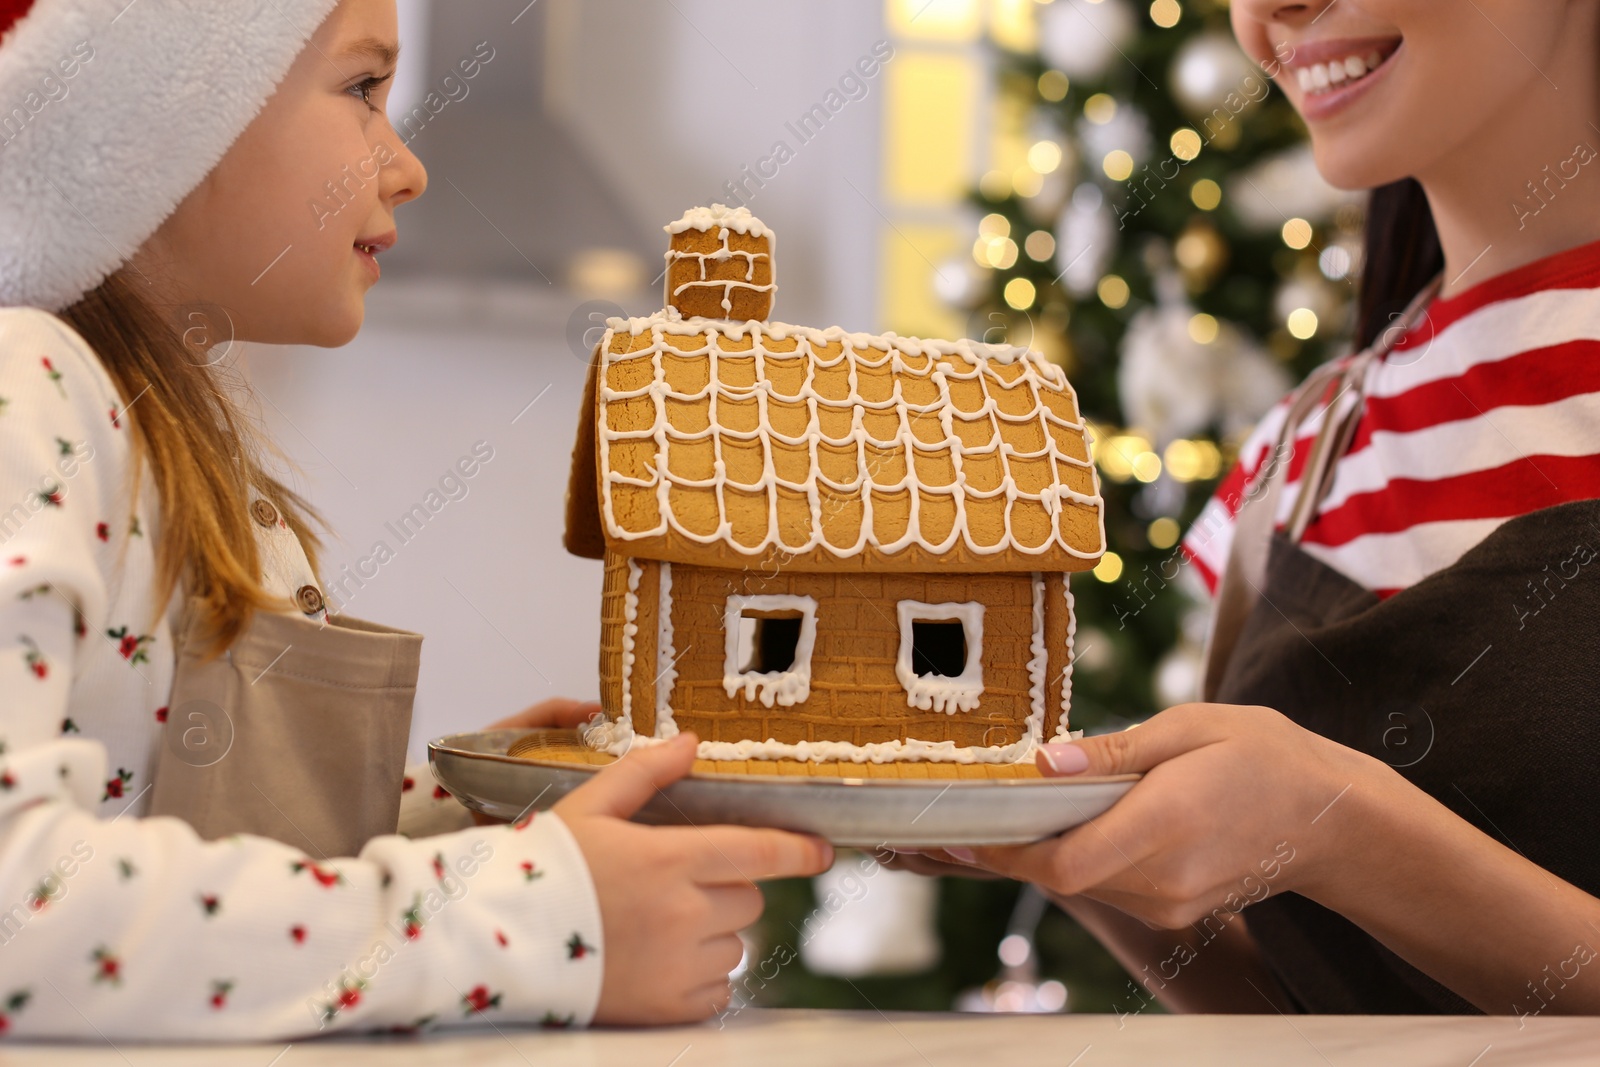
x: 1487, y: 409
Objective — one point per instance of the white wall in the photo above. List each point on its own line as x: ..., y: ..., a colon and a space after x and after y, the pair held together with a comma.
x: 508, y: 617
x: 670, y: 100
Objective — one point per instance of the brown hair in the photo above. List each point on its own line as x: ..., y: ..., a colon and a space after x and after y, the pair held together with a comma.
x: 1402, y: 255
x: 204, y: 456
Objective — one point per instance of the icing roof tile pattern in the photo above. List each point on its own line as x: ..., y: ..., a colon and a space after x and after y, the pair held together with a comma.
x: 773, y: 440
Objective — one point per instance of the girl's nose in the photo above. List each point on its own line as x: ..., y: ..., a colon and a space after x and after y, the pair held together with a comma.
x: 405, y: 178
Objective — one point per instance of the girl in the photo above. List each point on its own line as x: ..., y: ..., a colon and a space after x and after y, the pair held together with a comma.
x: 157, y: 164
x: 1393, y: 768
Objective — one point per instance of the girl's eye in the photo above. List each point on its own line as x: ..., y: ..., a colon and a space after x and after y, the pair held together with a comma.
x: 364, y: 88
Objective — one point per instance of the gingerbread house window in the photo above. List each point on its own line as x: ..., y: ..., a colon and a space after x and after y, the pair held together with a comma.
x: 941, y: 655
x: 769, y: 640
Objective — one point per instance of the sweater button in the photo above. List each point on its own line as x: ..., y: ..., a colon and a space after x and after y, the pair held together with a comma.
x: 309, y: 597
x: 264, y: 513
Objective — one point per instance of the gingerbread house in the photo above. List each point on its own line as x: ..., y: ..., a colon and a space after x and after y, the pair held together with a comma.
x: 826, y: 548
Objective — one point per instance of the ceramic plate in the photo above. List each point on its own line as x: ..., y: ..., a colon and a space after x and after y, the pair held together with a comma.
x: 859, y: 812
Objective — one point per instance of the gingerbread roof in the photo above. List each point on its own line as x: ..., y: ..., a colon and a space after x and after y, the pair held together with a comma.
x: 744, y: 444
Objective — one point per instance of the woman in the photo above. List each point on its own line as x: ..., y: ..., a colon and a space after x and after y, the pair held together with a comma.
x: 1384, y: 805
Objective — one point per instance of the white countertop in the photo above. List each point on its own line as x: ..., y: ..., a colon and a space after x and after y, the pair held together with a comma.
x: 777, y: 1038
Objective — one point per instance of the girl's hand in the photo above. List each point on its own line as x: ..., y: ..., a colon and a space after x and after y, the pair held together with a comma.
x: 557, y: 711
x: 673, y: 899
x: 1236, y: 803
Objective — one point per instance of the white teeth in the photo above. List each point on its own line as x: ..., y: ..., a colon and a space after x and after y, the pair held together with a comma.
x: 1321, y: 77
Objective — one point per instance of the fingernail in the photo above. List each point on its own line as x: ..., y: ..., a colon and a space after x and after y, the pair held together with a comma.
x: 1064, y: 759
x: 965, y: 855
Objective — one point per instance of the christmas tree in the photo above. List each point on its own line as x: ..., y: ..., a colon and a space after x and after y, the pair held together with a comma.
x: 1169, y: 243
x: 1165, y: 238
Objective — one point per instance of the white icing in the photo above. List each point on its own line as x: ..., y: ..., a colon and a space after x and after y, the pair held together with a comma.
x: 738, y: 219
x: 788, y: 687
x: 607, y: 737
x: 937, y: 691
x: 666, y: 656
x: 630, y: 632
x: 860, y: 351
x: 1062, y: 732
x: 724, y: 219
x: 1037, y: 662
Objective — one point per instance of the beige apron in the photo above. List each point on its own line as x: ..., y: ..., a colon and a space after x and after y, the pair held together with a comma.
x: 298, y: 732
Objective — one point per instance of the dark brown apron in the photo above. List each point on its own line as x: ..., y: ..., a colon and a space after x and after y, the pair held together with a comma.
x: 1477, y: 684
x: 298, y: 732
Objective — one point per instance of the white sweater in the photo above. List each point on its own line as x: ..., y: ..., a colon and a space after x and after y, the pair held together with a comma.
x: 116, y: 926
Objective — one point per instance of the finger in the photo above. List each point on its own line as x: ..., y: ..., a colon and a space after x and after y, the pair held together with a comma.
x: 1085, y: 856
x: 623, y: 787
x: 733, y: 907
x: 1138, y: 748
x: 557, y: 711
x: 723, y: 855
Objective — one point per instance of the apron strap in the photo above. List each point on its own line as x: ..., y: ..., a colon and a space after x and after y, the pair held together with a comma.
x: 1239, y: 585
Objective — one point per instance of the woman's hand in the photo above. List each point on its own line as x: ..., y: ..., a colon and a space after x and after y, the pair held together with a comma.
x: 1236, y: 803
x: 673, y: 899
x: 557, y: 711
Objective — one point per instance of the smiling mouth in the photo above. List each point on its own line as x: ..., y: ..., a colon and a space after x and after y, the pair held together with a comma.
x: 1318, y: 78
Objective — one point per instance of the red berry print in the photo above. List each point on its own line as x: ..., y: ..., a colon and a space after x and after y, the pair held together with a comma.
x: 440, y: 792
x: 50, y: 494
x: 578, y: 948
x: 69, y: 727
x: 108, y: 968
x: 219, y: 994
x: 131, y: 645
x: 349, y: 997
x: 529, y: 872
x: 7, y: 780
x: 115, y: 787
x: 116, y: 423
x: 35, y: 659
x: 44, y: 893
x: 13, y: 1004
x: 161, y: 713
x: 209, y: 903
x: 500, y: 938
x: 407, y: 784
x: 102, y: 531
x: 78, y: 628
x: 55, y: 375
x: 552, y: 1021
x: 524, y: 822
x: 327, y: 879
x: 297, y: 934
x: 480, y: 1000
x: 412, y: 919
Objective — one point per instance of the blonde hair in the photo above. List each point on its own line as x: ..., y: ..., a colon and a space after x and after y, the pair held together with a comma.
x: 204, y: 456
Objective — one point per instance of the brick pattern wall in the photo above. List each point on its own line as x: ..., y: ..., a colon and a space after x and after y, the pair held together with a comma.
x: 613, y: 588
x: 1058, y: 649
x: 855, y: 695
x: 642, y: 681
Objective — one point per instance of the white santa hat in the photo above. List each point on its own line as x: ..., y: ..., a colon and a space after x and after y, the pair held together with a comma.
x: 111, y: 112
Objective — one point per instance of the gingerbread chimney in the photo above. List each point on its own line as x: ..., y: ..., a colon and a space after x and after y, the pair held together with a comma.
x: 720, y: 265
